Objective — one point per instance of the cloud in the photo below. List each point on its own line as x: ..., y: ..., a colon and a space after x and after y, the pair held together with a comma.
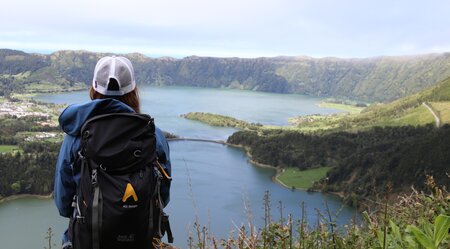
x: 346, y: 28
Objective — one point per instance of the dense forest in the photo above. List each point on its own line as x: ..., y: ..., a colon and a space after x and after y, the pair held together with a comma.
x: 363, y: 162
x: 30, y: 168
x: 30, y: 171
x: 371, y: 79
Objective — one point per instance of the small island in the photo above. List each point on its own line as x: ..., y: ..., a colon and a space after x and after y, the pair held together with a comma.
x: 221, y: 120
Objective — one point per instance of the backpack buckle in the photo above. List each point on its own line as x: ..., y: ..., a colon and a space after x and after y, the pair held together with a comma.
x: 74, y: 201
x: 80, y: 219
x: 94, y: 177
x: 83, y: 158
x: 159, y: 176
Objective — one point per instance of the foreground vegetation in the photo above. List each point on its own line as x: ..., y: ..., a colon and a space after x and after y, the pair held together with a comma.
x: 417, y: 220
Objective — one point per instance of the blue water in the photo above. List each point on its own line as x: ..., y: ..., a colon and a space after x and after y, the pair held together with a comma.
x: 166, y: 104
x: 212, y: 183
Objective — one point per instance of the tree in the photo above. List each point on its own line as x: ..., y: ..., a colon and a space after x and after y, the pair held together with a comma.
x: 16, y: 187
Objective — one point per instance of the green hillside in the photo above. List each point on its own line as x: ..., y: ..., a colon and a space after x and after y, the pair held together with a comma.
x: 377, y: 79
x: 395, y: 144
x: 409, y: 110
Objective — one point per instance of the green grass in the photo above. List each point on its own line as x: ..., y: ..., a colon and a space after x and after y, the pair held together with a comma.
x: 42, y: 87
x: 382, y: 115
x: 442, y: 109
x: 9, y: 148
x: 304, y: 179
x: 416, y: 116
x: 343, y: 107
x: 313, y: 123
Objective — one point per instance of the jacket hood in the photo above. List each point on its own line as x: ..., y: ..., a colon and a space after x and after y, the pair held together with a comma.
x: 74, y: 116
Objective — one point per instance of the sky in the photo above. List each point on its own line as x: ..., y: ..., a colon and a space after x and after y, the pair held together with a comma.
x: 229, y: 28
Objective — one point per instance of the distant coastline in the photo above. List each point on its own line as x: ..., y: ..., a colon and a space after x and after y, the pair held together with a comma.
x: 23, y: 196
x: 323, y: 77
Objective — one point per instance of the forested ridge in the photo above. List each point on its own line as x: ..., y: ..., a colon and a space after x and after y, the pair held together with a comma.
x: 371, y: 79
x: 363, y: 162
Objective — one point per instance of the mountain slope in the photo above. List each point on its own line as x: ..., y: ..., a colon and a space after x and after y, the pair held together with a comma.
x: 372, y: 79
x: 409, y: 110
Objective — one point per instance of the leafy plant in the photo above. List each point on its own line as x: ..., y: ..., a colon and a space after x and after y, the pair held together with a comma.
x: 431, y: 237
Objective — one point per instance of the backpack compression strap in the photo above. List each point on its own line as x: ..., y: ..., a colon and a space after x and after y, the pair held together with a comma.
x: 97, y: 205
x: 164, y: 218
x: 165, y: 227
x: 163, y: 224
x: 96, y: 212
x: 155, y: 196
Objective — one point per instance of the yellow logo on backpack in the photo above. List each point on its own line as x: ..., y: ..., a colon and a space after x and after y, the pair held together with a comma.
x: 129, y: 192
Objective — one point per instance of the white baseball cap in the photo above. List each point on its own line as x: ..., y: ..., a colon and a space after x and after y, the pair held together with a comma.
x: 117, y: 68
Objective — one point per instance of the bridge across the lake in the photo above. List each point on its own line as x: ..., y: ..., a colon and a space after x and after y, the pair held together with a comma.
x: 197, y: 140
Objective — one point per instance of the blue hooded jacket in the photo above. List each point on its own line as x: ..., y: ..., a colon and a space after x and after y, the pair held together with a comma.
x: 67, y: 175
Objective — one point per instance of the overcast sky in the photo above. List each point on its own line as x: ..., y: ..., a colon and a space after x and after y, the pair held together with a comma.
x: 242, y: 28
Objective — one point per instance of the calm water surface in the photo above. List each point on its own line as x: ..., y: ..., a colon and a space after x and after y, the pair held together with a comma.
x: 211, y: 182
x: 166, y: 104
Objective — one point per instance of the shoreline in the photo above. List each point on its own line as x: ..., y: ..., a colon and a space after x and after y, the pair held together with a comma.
x: 247, y: 153
x: 275, y: 179
x: 23, y: 196
x: 32, y: 94
x: 278, y: 171
x: 344, y: 107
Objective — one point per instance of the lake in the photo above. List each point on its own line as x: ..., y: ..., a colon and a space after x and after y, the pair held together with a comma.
x: 212, y: 183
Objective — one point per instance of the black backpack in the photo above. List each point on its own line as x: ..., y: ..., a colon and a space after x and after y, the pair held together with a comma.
x: 118, y: 203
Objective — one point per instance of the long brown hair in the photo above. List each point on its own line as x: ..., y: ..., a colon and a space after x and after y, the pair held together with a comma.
x: 131, y: 98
